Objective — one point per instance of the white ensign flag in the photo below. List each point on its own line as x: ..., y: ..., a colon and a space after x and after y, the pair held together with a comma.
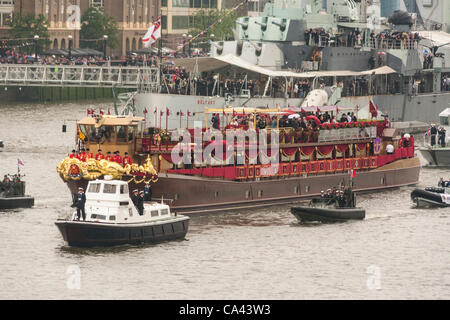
x: 153, y: 33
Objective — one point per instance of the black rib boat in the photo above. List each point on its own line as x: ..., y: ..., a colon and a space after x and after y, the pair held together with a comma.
x: 430, y: 197
x: 329, y: 210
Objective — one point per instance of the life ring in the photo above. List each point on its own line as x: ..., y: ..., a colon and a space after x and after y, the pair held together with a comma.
x: 156, y: 139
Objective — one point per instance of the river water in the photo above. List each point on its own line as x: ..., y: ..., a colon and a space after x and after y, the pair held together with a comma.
x: 397, y: 252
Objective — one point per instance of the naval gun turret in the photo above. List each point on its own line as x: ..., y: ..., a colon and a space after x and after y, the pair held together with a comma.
x: 287, y: 33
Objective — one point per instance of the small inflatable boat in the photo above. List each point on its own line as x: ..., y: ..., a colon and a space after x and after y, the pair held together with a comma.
x: 431, y: 197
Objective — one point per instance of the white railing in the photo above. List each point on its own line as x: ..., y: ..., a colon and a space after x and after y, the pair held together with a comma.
x: 78, y: 76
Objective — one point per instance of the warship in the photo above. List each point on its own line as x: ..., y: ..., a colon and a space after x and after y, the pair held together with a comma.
x: 297, y: 40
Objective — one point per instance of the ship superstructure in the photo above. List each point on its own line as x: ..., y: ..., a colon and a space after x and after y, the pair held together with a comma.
x: 349, y: 53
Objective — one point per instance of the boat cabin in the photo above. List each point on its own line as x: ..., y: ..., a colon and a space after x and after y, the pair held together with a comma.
x: 444, y: 118
x: 111, y: 133
x: 108, y: 201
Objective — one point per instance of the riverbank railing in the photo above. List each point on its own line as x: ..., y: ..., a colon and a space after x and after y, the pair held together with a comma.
x: 78, y: 76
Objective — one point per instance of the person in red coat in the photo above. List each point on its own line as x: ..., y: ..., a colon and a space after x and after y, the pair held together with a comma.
x: 109, y: 157
x: 127, y: 160
x: 83, y: 155
x: 99, y: 156
x: 73, y: 154
x: 89, y: 154
x: 118, y: 158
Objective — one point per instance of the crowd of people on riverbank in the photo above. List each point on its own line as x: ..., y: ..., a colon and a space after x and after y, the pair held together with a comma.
x: 445, y: 82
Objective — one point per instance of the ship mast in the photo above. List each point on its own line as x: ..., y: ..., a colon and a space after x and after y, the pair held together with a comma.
x: 363, y: 11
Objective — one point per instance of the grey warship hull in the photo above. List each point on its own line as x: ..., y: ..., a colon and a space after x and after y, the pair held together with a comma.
x: 439, y: 157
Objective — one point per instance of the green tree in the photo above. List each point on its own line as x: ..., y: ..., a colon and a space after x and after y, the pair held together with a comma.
x: 222, y: 29
x: 24, y: 28
x: 94, y: 25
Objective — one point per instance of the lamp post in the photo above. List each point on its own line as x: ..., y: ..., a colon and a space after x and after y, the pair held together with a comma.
x: 105, y: 38
x: 189, y: 45
x: 36, y: 38
x: 70, y: 46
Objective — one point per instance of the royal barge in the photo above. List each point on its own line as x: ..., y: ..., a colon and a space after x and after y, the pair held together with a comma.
x: 305, y: 161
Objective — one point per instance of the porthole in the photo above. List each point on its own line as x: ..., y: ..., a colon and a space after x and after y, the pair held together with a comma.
x: 307, y: 188
x: 296, y: 189
x: 176, y: 196
x: 260, y: 193
x: 216, y: 194
x: 247, y: 194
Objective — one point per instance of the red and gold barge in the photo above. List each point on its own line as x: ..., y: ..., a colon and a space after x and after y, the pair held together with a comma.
x: 310, y: 161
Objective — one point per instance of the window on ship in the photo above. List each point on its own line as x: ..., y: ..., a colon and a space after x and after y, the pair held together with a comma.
x: 109, y: 188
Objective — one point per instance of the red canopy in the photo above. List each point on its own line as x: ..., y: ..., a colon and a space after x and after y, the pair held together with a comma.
x: 316, y: 120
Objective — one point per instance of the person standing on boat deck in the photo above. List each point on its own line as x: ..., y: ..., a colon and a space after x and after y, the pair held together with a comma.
x: 134, y: 197
x: 441, y: 133
x: 433, y: 133
x: 89, y: 154
x: 109, y: 157
x: 73, y: 154
x: 99, y: 156
x: 126, y: 160
x: 147, y: 192
x: 80, y: 202
x: 117, y: 157
x: 140, y: 203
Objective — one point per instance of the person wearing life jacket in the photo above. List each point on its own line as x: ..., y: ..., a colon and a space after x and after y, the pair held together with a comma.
x: 118, y: 158
x: 99, y: 156
x: 126, y: 160
x: 109, y: 157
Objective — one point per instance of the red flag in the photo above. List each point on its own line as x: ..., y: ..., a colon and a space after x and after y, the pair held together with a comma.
x: 181, y: 113
x: 145, y: 111
x: 167, y: 111
x: 109, y: 112
x: 161, y: 113
x: 352, y: 173
x: 189, y: 113
x: 101, y: 111
x: 372, y: 109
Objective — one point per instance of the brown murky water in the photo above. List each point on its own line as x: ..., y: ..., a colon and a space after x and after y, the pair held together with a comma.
x: 397, y: 252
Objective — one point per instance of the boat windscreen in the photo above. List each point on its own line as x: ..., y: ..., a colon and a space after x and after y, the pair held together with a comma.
x: 109, y: 188
x: 94, y: 188
x: 123, y: 189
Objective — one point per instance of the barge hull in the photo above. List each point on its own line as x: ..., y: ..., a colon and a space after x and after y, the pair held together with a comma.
x: 197, y: 195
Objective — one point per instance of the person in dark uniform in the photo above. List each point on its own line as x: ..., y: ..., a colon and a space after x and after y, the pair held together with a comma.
x: 135, y: 197
x: 147, y: 192
x: 433, y: 133
x: 140, y: 203
x: 442, y: 133
x: 80, y: 202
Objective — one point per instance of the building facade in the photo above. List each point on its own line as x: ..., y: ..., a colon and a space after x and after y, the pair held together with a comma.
x: 133, y: 17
